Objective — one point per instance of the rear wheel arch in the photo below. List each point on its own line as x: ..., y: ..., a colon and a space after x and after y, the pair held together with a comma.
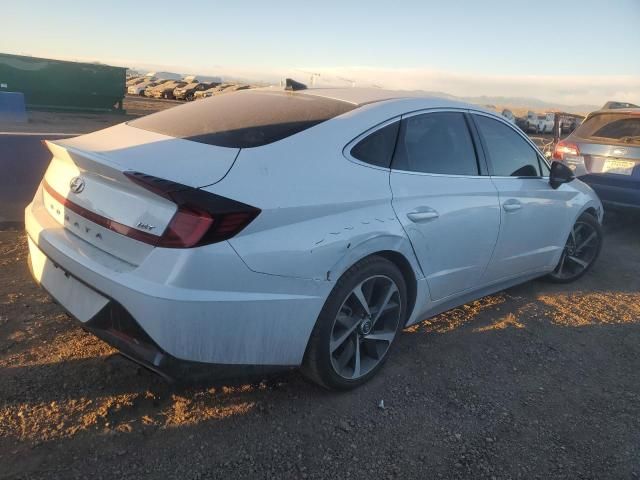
x: 401, y: 262
x: 411, y: 271
x: 408, y: 274
x: 397, y: 250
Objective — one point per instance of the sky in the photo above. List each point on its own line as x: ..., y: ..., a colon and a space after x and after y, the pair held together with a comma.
x: 563, y: 51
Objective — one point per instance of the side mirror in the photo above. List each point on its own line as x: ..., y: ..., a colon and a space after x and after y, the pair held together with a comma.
x: 560, y: 174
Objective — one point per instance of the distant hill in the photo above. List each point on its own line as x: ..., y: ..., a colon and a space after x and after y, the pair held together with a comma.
x: 526, y: 103
x: 518, y: 105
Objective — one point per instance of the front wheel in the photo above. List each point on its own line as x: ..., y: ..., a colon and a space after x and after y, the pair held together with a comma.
x: 357, y: 325
x: 580, y: 252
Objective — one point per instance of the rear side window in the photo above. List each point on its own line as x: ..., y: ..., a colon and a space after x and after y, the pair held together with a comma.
x: 244, y: 119
x: 377, y: 148
x: 510, y: 154
x: 436, y: 143
x: 619, y: 127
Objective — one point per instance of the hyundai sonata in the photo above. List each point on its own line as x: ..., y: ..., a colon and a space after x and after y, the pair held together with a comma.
x: 298, y: 228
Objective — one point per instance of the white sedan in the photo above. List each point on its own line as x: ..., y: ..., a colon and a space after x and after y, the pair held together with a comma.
x: 298, y: 228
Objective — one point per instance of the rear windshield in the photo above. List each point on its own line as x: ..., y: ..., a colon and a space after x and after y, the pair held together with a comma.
x: 619, y: 127
x: 244, y: 119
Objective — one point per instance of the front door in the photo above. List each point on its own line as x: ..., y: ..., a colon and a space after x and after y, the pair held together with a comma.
x: 534, y: 216
x: 448, y: 209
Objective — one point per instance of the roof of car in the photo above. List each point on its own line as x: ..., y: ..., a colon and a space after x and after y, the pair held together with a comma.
x: 618, y: 110
x: 363, y: 96
x: 358, y: 96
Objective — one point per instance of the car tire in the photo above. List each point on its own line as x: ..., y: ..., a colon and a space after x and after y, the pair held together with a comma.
x: 372, y: 280
x: 580, y: 252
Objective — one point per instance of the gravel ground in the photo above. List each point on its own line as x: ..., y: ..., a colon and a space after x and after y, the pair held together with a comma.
x: 539, y: 381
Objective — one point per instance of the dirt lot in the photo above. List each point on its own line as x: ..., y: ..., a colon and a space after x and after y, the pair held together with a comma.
x: 538, y: 381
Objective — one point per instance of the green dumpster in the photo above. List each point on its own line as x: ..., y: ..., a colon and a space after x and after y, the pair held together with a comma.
x: 62, y: 85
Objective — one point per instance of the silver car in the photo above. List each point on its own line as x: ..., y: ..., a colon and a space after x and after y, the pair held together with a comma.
x: 604, y: 152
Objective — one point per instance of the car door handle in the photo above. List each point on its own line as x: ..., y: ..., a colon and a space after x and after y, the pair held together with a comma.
x: 511, y: 205
x: 423, y: 214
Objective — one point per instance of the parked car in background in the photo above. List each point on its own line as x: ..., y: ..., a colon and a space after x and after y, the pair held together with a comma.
x: 211, y: 91
x: 522, y: 124
x: 139, y: 88
x: 531, y: 124
x: 165, y: 90
x: 148, y: 92
x: 189, y: 91
x: 135, y: 80
x: 568, y: 123
x: 604, y: 152
x: 508, y: 114
x: 297, y: 228
x: 237, y: 87
x: 232, y: 87
x: 540, y: 123
x: 179, y: 92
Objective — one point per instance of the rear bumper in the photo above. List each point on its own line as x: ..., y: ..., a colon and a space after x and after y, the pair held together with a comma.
x: 199, y: 305
x: 114, y: 325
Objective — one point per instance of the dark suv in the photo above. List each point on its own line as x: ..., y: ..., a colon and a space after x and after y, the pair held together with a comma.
x: 604, y: 151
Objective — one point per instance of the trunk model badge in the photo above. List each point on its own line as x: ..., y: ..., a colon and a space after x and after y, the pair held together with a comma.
x: 145, y: 226
x: 619, y: 152
x: 76, y: 185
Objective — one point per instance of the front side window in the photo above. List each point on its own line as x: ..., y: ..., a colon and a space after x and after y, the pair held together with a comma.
x: 436, y: 143
x: 509, y: 154
x: 377, y: 148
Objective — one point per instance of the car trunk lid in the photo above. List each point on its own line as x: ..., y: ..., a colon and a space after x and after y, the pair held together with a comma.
x: 609, y: 159
x: 88, y: 190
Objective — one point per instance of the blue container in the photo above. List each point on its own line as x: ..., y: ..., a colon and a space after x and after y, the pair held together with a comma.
x: 12, y: 107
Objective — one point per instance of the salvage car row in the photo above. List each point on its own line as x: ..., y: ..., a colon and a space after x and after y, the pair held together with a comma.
x: 544, y: 124
x: 188, y: 88
x: 541, y: 124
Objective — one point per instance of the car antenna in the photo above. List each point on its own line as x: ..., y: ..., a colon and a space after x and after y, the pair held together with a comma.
x: 292, y: 85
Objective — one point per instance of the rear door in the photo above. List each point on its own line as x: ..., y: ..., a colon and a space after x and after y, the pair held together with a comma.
x: 446, y: 203
x: 534, y: 216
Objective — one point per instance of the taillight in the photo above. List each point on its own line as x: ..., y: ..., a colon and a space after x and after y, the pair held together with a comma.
x: 565, y: 148
x: 202, y: 217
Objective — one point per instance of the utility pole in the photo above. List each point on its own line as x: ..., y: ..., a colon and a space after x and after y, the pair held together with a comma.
x: 313, y: 75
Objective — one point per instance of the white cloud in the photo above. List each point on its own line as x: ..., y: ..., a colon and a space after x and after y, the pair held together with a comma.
x: 561, y: 89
